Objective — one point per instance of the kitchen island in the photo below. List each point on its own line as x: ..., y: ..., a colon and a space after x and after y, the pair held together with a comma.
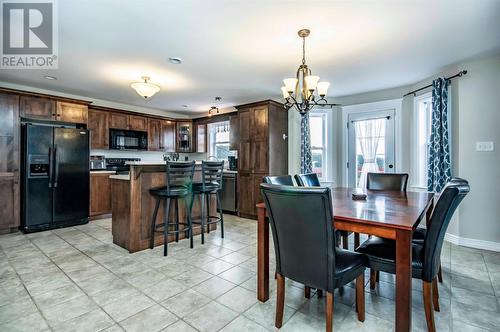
x: 133, y: 206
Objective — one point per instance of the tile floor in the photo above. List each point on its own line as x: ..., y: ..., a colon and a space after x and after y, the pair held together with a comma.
x: 75, y: 279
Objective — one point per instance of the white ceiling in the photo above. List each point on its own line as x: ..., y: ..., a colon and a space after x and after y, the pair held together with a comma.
x: 241, y: 50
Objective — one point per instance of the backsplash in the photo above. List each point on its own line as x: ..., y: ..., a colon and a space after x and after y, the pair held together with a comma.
x: 150, y: 156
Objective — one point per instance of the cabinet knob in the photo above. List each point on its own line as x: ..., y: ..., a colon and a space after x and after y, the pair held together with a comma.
x: 285, y: 136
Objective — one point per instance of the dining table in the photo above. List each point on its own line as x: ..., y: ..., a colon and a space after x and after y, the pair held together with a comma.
x: 388, y: 214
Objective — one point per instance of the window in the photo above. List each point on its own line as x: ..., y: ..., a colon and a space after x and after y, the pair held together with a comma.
x: 422, y: 121
x: 218, y: 140
x: 317, y: 123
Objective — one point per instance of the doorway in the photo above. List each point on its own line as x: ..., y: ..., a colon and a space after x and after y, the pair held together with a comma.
x: 371, y: 145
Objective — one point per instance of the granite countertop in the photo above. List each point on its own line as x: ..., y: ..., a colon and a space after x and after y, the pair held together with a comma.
x: 124, y: 177
x: 102, y: 172
x: 153, y: 163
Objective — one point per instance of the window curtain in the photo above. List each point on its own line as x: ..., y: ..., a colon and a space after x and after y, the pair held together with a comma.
x: 305, y: 145
x: 439, y: 164
x: 368, y: 134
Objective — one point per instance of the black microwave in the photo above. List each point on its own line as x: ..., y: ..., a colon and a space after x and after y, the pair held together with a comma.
x: 128, y: 139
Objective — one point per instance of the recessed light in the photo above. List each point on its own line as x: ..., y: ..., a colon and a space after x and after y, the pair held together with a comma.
x: 185, y: 106
x: 47, y: 77
x: 175, y: 60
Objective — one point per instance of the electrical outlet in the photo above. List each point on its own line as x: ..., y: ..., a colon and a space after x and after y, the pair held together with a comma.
x: 484, y: 146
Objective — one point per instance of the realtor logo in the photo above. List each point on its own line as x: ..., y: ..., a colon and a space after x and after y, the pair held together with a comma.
x: 29, y: 34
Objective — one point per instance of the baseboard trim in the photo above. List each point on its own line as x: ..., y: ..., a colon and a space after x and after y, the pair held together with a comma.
x: 472, y: 243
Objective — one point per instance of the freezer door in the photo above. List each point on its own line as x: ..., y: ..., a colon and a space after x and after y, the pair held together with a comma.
x: 37, y: 191
x: 71, y: 176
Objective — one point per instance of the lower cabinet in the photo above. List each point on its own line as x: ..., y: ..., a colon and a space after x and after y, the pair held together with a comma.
x: 100, y: 194
x: 249, y: 193
x: 9, y: 203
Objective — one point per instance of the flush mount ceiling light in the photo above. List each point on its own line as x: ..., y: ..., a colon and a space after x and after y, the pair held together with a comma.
x: 175, y: 60
x: 145, y: 89
x: 52, y: 78
x: 299, y: 91
x: 214, y: 109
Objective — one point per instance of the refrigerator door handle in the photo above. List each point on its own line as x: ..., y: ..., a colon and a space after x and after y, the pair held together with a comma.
x: 56, y: 166
x: 51, y: 166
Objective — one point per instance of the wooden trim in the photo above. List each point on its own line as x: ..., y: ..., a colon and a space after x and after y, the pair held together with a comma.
x: 260, y: 103
x: 44, y: 95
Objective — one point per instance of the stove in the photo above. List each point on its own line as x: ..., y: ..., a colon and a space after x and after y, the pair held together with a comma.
x: 118, y: 164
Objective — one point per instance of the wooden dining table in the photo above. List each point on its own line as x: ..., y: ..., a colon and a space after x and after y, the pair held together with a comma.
x: 388, y: 214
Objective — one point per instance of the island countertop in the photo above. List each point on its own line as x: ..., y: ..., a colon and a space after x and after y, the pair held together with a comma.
x: 133, y: 206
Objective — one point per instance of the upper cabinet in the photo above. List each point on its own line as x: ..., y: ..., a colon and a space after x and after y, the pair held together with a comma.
x: 118, y: 120
x: 137, y: 122
x: 233, y: 132
x: 184, y: 136
x: 167, y: 136
x: 37, y: 108
x: 154, y: 135
x: 99, y: 129
x: 201, y: 138
x: 71, y: 112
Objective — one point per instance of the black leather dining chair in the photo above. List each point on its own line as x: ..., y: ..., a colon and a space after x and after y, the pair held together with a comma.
x: 303, y: 216
x: 387, y: 181
x: 312, y: 180
x: 284, y: 180
x: 381, y: 252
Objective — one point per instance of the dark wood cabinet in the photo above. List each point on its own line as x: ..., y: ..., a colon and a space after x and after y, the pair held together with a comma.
x: 34, y: 107
x: 184, y: 139
x: 262, y: 150
x: 9, y: 163
x: 99, y: 129
x: 71, y: 112
x: 139, y: 123
x: 201, y: 138
x: 167, y: 136
x: 100, y: 194
x: 154, y: 135
x: 118, y: 120
x: 234, y: 125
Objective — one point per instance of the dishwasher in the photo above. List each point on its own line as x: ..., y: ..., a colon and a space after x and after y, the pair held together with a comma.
x: 228, y: 195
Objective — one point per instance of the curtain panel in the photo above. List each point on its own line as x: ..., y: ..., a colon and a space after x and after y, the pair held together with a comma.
x: 439, y: 162
x: 305, y: 145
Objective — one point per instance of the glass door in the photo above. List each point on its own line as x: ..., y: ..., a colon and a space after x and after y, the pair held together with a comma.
x: 370, y: 145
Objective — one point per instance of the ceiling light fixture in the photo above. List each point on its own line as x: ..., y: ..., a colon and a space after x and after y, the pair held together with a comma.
x: 145, y: 89
x: 299, y: 91
x: 214, y: 109
x: 175, y: 60
x: 52, y: 78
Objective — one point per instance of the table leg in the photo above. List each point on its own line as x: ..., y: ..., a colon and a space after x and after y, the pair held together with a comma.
x: 262, y: 255
x: 403, y: 280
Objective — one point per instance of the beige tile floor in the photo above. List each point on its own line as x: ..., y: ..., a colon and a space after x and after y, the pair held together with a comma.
x: 76, y: 279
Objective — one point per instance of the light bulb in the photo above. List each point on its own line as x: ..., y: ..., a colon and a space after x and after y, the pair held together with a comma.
x: 290, y: 84
x: 323, y: 88
x: 311, y: 82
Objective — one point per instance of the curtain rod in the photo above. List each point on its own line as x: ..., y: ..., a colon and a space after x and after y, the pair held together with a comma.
x: 459, y: 74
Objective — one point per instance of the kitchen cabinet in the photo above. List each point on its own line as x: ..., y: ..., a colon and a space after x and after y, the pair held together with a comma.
x: 201, y: 138
x: 262, y: 150
x: 118, y: 120
x: 139, y: 123
x: 233, y: 132
x: 9, y: 163
x: 184, y: 136
x: 100, y: 194
x: 71, y: 112
x: 154, y: 135
x: 167, y: 136
x: 99, y: 129
x: 34, y: 107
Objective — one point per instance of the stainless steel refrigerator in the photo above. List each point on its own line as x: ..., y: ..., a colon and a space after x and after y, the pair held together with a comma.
x: 55, y: 186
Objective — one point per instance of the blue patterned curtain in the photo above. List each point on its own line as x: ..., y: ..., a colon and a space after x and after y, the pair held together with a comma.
x: 439, y: 164
x: 305, y: 145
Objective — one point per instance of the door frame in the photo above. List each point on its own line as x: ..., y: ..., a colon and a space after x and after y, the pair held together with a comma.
x: 386, y: 105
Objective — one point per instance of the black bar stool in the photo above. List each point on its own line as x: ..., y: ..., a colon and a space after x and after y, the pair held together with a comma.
x: 211, y: 184
x: 179, y: 177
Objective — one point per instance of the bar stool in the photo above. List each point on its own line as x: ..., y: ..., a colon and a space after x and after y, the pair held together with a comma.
x: 179, y: 176
x: 211, y: 184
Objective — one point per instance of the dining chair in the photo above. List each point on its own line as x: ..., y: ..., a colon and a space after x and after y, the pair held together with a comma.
x: 304, y: 215
x: 284, y: 180
x: 386, y: 181
x: 312, y: 180
x: 381, y: 252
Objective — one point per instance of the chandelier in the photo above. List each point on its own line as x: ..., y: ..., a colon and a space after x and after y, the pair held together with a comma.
x: 300, y: 91
x: 145, y: 89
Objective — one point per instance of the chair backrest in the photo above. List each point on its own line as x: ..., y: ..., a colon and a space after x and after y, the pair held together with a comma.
x: 387, y: 181
x: 179, y: 174
x: 307, y: 180
x: 284, y: 180
x: 303, y: 233
x: 212, y: 173
x: 446, y: 205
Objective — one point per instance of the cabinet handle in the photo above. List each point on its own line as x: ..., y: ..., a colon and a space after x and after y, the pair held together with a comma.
x: 285, y: 136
